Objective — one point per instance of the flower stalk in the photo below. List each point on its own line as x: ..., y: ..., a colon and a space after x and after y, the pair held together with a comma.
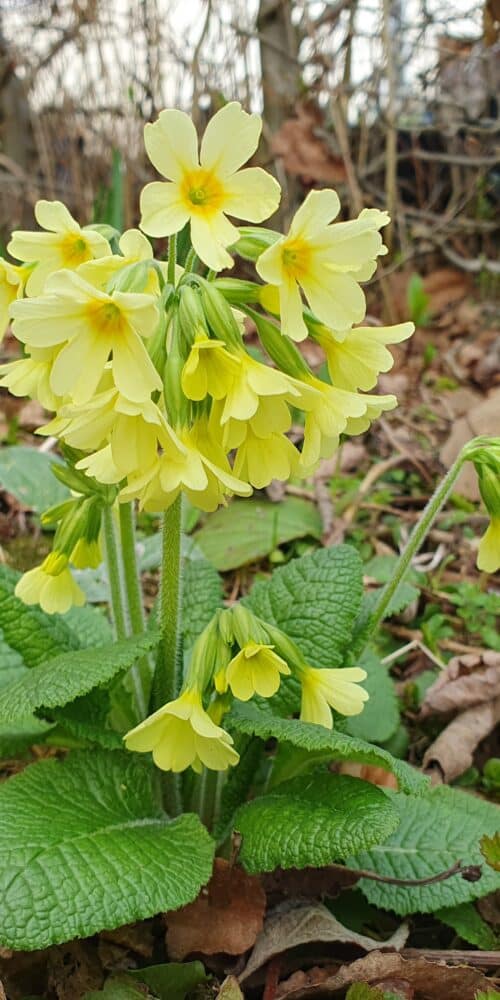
x: 113, y: 571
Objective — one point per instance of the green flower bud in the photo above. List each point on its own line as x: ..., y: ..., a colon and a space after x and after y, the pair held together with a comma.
x: 192, y: 319
x: 247, y: 627
x: 281, y: 349
x: 209, y: 657
x: 489, y: 488
x: 177, y: 405
x: 238, y: 292
x: 220, y: 316
x: 132, y: 278
x: 253, y: 241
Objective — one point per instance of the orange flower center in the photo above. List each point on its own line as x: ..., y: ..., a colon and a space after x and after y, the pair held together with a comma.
x: 106, y: 318
x: 75, y: 250
x: 296, y: 257
x: 202, y: 192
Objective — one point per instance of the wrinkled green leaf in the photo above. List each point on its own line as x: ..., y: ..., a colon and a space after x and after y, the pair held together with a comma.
x: 70, y: 675
x: 26, y: 629
x: 436, y: 830
x: 312, y: 820
x: 173, y: 980
x: 250, y: 529
x: 490, y: 849
x: 85, y: 845
x: 26, y: 473
x: 469, y: 924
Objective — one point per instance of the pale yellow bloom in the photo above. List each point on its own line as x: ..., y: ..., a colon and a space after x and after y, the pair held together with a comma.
x: 30, y: 376
x: 182, y: 735
x: 256, y: 669
x: 328, y: 411
x: 375, y: 406
x: 205, y: 191
x: 260, y: 459
x: 325, y: 261
x: 91, y: 325
x: 12, y: 280
x: 121, y: 434
x: 252, y: 383
x: 488, y: 557
x: 86, y: 555
x: 355, y: 358
x: 323, y: 690
x: 51, y: 586
x: 135, y: 248
x: 65, y: 245
x: 209, y: 369
x: 190, y: 462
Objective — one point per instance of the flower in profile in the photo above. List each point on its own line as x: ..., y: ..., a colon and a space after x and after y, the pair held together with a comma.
x: 50, y: 585
x: 488, y: 557
x: 182, y: 735
x: 323, y: 690
x: 355, y: 358
x: 134, y: 249
x: 12, y: 280
x: 256, y: 669
x: 328, y: 411
x: 30, y: 376
x: 209, y: 369
x: 64, y: 245
x: 325, y: 261
x: 205, y: 190
x: 91, y: 325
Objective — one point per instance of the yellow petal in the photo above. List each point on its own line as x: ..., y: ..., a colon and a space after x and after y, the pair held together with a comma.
x: 172, y: 144
x: 163, y: 211
x: 336, y: 299
x: 270, y: 264
x: 78, y: 367
x: 488, y: 557
x: 134, y: 244
x: 134, y: 373
x: 231, y: 137
x: 318, y: 209
x: 210, y: 236
x: 53, y: 215
x: 291, y: 311
x: 252, y: 194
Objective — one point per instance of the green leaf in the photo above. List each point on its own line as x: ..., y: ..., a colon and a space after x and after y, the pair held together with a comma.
x: 85, y: 845
x: 26, y: 629
x: 201, y: 596
x: 11, y: 663
x: 250, y: 529
x: 70, y: 675
x: 490, y: 849
x: 379, y: 719
x: 258, y: 721
x: 16, y: 738
x: 86, y: 719
x: 118, y: 988
x: 171, y: 981
x: 469, y: 924
x: 436, y: 830
x: 89, y: 625
x: 361, y: 991
x: 312, y: 820
x: 315, y: 600
x: 26, y: 473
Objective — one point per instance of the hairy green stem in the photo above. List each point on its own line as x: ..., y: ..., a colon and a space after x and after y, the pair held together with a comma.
x: 140, y: 673
x: 415, y: 542
x: 172, y: 258
x: 167, y: 676
x: 113, y: 569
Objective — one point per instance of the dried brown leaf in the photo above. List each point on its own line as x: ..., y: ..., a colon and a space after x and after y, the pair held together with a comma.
x: 292, y: 924
x: 452, y: 753
x: 429, y: 980
x: 226, y: 917
x: 303, y: 148
x: 468, y: 680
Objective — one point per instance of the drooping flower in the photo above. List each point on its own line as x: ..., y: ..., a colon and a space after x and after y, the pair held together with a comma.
x: 135, y: 248
x: 323, y: 690
x: 488, y: 556
x: 30, y: 376
x: 256, y: 669
x: 328, y: 411
x: 375, y: 406
x: 65, y: 245
x: 325, y: 261
x: 182, y: 735
x: 50, y: 585
x: 204, y: 191
x: 209, y: 369
x: 355, y: 358
x: 91, y: 325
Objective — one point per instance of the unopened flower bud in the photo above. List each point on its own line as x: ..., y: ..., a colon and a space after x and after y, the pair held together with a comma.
x: 253, y: 241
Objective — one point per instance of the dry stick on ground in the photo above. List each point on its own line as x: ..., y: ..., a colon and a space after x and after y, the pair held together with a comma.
x: 371, y: 477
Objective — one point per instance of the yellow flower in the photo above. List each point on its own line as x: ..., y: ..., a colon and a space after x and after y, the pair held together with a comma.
x: 134, y: 247
x: 356, y: 358
x: 86, y: 554
x: 325, y: 261
x: 66, y: 245
x: 92, y: 325
x: 326, y: 689
x: 51, y: 586
x: 262, y: 458
x: 209, y: 369
x: 30, y: 376
x: 121, y: 434
x: 375, y: 406
x: 328, y: 411
x: 253, y: 382
x: 11, y: 288
x: 182, y: 735
x: 488, y: 557
x: 256, y: 669
x: 191, y: 462
x: 204, y: 191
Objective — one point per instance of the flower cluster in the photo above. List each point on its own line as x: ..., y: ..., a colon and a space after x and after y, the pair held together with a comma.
x: 144, y: 363
x: 238, y: 656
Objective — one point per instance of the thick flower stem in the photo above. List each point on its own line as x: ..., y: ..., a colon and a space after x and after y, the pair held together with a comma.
x: 415, y: 542
x: 167, y: 678
x: 141, y: 672
x: 172, y: 258
x: 113, y: 569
